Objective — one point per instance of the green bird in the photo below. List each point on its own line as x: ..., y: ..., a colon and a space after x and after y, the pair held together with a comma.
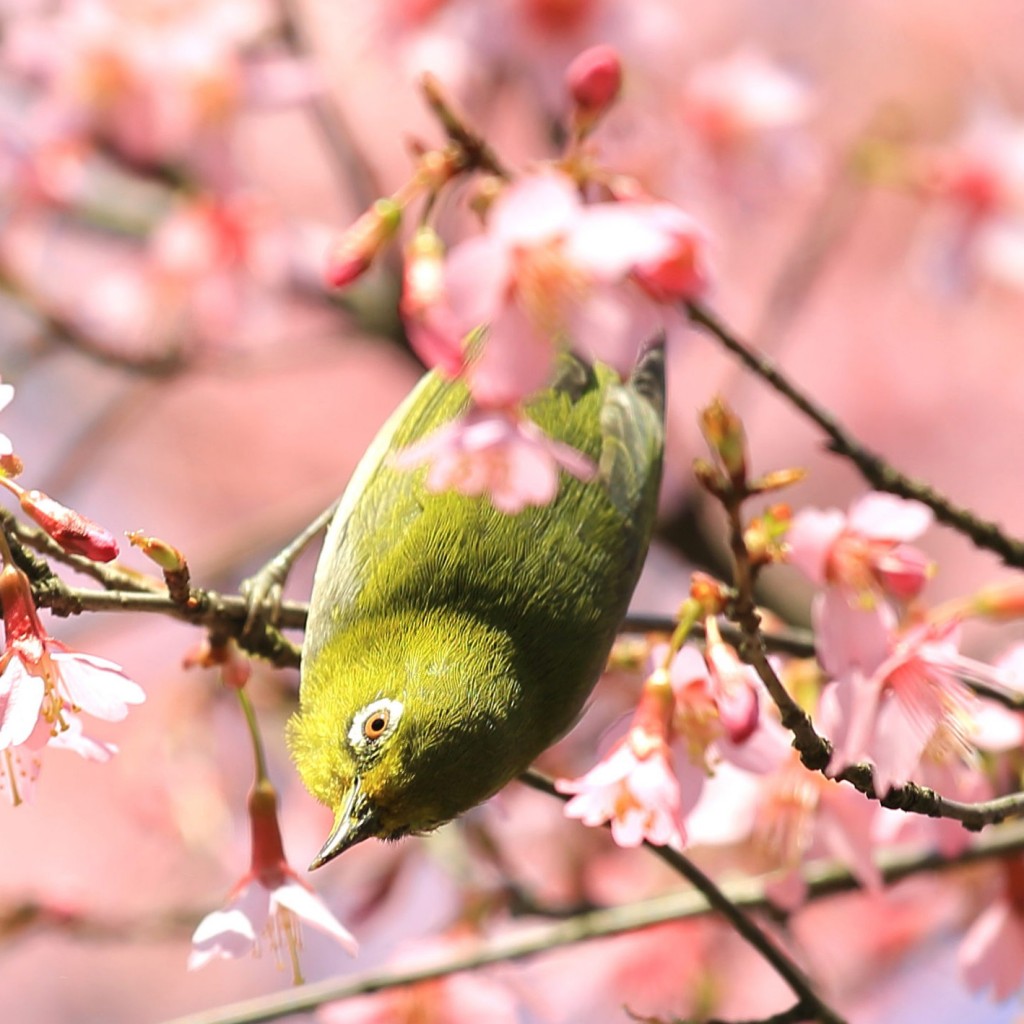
x: 448, y: 644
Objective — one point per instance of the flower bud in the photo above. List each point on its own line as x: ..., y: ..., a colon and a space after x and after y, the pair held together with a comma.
x: 594, y: 80
x: 724, y: 434
x: 358, y: 246
x: 70, y: 529
x: 165, y: 555
x: 733, y: 689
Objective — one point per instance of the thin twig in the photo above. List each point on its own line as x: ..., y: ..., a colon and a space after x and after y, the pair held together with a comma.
x: 875, y: 470
x: 744, y: 925
x: 823, y: 879
x: 474, y: 148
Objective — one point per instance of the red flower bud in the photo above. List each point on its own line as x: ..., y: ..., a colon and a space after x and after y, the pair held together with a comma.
x: 594, y: 80
x: 358, y: 246
x: 70, y: 529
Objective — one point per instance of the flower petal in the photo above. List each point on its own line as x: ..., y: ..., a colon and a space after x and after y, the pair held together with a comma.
x: 304, y: 903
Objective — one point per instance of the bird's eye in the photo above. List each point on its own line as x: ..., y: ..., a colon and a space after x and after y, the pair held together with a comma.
x: 375, y: 726
x: 374, y: 722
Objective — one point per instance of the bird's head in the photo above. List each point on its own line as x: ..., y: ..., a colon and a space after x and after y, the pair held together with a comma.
x: 408, y: 733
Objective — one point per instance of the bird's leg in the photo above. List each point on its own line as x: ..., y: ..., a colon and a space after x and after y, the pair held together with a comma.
x: 262, y: 590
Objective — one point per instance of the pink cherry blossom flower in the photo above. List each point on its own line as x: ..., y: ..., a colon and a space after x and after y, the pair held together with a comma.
x: 979, y: 180
x: 718, y: 709
x: 269, y: 902
x: 895, y: 692
x: 991, y: 954
x: 504, y: 456
x: 799, y: 813
x: 864, y: 552
x: 43, y: 685
x: 526, y: 278
x: 735, y: 102
x: 634, y: 786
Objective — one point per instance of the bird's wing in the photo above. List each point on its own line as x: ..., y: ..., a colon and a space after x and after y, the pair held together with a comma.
x: 379, y: 505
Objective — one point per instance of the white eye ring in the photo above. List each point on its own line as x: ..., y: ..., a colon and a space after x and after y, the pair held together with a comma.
x: 375, y: 722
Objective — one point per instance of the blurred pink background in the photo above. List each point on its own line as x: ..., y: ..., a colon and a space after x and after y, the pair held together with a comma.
x: 908, y: 333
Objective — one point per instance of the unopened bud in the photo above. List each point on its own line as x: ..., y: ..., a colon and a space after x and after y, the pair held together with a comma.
x: 594, y: 80
x: 70, y: 529
x: 709, y: 593
x: 165, y: 555
x: 723, y: 431
x: 777, y: 479
x: 765, y: 537
x: 733, y: 689
x: 359, y: 245
x: 1000, y: 603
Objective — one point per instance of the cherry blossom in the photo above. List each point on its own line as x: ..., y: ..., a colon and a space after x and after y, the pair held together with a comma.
x: 799, y: 812
x: 895, y: 692
x: 979, y: 179
x: 530, y: 277
x: 634, y: 787
x: 865, y: 551
x: 736, y: 101
x: 43, y: 685
x: 504, y: 456
x: 268, y: 903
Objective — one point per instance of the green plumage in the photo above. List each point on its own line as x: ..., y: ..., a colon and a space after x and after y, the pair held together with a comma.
x: 479, y: 634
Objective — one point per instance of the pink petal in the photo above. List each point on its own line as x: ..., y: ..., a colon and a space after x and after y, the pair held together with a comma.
x: 609, y: 325
x: 611, y: 239
x: 850, y: 638
x: 514, y: 361
x: 992, y: 952
x: 72, y: 738
x: 21, y: 701
x: 886, y: 517
x: 810, y: 538
x: 223, y: 933
x: 535, y: 210
x: 294, y: 896
x: 97, y: 686
x: 477, y: 280
x: 844, y: 821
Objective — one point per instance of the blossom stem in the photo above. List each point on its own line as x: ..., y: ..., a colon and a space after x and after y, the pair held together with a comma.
x: 259, y: 755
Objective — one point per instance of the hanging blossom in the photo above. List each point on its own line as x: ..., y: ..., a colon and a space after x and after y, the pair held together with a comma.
x: 634, y: 786
x: 43, y: 687
x: 549, y: 271
x: 799, y: 813
x: 896, y: 692
x: 699, y: 711
x: 865, y: 552
x: 511, y: 460
x: 269, y: 903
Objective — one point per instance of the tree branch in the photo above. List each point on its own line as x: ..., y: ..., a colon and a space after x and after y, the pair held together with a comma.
x: 875, y: 470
